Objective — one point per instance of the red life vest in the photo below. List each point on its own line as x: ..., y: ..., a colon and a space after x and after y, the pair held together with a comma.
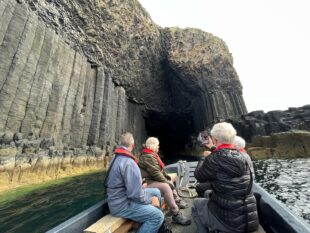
x: 242, y: 150
x: 122, y: 151
x: 148, y: 151
x: 225, y: 146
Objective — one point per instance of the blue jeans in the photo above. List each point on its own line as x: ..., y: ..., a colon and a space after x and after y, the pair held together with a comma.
x: 149, y: 216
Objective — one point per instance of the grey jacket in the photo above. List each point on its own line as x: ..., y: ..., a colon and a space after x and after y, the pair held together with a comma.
x: 124, y: 185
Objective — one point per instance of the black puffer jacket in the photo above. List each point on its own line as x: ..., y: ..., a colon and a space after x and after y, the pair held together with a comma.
x: 232, y: 201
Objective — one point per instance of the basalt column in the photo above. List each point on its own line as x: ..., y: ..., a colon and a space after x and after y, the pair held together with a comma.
x: 76, y: 74
x: 202, y: 68
x: 59, y: 114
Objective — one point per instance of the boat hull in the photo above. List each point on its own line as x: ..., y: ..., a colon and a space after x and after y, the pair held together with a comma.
x: 274, y: 217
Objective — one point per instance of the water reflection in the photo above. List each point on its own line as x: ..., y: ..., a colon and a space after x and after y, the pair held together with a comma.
x: 45, y: 208
x: 288, y: 181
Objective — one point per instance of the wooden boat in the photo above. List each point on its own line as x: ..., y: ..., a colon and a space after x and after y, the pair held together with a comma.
x: 274, y: 217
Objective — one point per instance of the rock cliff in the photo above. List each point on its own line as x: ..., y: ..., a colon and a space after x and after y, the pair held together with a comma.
x: 276, y: 134
x: 75, y: 74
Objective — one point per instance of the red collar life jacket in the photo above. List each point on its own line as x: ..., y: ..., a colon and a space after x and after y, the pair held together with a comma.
x: 160, y: 162
x: 225, y: 146
x: 122, y: 151
x: 242, y: 150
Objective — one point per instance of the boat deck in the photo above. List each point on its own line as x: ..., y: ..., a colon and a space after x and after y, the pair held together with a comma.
x: 187, y: 212
x: 191, y: 228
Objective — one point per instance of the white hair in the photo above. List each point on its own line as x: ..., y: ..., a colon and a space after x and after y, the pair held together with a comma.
x: 126, y: 139
x: 224, y: 132
x: 151, y: 143
x: 239, y: 142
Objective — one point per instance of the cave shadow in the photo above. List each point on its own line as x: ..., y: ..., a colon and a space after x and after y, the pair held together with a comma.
x: 173, y: 131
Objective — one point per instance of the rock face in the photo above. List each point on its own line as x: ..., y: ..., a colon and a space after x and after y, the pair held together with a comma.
x: 76, y: 74
x: 278, y: 134
x: 258, y: 123
x: 291, y: 144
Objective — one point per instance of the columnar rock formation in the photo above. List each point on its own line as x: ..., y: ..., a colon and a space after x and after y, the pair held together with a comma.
x: 259, y: 123
x: 74, y: 75
x: 278, y: 134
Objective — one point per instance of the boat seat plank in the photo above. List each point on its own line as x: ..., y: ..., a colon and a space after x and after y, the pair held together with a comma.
x: 128, y: 225
x: 107, y: 224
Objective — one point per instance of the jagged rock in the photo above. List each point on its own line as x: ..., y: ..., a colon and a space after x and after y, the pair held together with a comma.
x: 275, y: 133
x: 8, y: 151
x: 289, y: 144
x: 6, y: 138
x: 258, y: 123
x: 46, y: 143
x: 18, y: 136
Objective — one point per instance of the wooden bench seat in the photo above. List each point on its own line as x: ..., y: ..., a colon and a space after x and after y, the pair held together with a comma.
x: 109, y: 224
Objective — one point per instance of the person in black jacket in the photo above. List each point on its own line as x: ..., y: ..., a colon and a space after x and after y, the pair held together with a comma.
x: 231, y: 206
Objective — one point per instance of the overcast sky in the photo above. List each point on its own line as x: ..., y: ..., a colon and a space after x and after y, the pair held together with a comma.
x: 269, y: 41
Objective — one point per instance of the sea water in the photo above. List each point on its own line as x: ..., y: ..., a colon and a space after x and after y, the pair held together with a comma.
x: 45, y: 208
x: 288, y: 181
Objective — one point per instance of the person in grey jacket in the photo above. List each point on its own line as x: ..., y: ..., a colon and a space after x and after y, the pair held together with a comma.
x: 126, y: 196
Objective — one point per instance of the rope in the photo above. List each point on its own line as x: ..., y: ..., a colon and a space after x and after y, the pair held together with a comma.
x: 188, y: 191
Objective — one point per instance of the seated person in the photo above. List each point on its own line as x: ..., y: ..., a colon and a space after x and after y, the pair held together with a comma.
x: 126, y: 197
x: 231, y: 207
x: 239, y: 142
x: 151, y: 168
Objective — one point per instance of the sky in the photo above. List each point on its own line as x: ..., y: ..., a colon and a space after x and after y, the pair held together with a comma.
x: 269, y: 41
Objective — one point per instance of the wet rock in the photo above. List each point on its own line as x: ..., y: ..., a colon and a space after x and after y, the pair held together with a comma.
x: 291, y: 144
x: 46, y: 143
x: 258, y: 123
x: 18, y: 136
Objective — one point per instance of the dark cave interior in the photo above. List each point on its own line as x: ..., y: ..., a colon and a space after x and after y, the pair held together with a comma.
x: 173, y: 131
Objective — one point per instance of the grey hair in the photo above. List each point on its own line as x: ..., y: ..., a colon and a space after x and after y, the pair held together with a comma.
x: 151, y: 143
x: 126, y: 139
x: 224, y: 132
x: 239, y: 142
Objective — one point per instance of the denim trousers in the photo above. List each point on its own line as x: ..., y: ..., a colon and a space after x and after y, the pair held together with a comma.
x: 148, y: 216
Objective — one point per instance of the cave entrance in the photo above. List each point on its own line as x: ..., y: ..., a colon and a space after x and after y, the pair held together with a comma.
x: 173, y: 131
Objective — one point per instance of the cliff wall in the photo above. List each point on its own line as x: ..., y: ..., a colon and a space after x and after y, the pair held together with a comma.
x: 75, y: 74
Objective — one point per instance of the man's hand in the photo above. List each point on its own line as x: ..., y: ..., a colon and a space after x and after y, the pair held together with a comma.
x: 155, y: 202
x: 206, y: 153
x: 209, y: 144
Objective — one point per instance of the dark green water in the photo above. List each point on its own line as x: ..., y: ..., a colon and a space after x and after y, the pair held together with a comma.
x: 42, y: 209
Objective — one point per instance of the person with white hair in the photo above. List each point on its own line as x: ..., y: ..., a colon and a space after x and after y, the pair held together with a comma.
x: 126, y: 196
x: 231, y: 206
x: 240, y: 143
x: 151, y: 167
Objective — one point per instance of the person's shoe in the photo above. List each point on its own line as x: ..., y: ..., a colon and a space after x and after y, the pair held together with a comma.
x: 179, y: 218
x: 182, y: 204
